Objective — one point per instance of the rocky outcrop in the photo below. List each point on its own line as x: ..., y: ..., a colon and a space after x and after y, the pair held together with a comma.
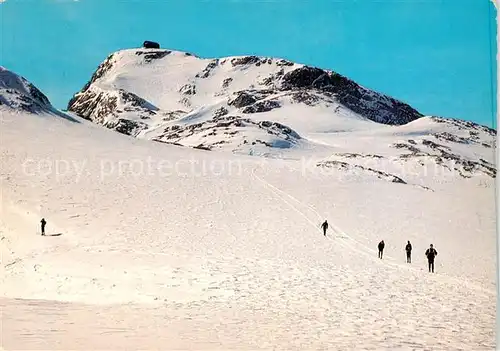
x: 465, y: 125
x: 367, y: 170
x: 262, y: 106
x: 376, y: 107
x: 100, y: 106
x: 126, y: 126
x: 305, y: 97
x: 231, y: 129
x: 250, y: 60
x: 443, y: 156
x: 249, y: 97
x: 242, y: 99
x: 208, y: 70
x: 152, y: 55
x: 188, y: 89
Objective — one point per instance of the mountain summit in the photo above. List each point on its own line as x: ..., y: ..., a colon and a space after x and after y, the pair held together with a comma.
x: 18, y: 93
x: 275, y: 108
x: 141, y: 91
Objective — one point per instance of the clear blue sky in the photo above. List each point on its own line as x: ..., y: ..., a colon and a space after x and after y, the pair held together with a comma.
x: 436, y: 55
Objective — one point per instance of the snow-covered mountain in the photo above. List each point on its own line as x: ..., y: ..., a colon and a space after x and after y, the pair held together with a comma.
x: 18, y: 93
x: 275, y: 108
x: 177, y: 247
x: 176, y: 97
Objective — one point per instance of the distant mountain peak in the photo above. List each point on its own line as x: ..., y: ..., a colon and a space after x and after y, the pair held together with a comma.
x: 18, y: 93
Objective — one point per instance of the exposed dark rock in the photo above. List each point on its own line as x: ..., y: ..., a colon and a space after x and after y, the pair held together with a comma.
x: 272, y: 78
x: 171, y: 115
x: 302, y: 77
x: 305, y: 97
x: 94, y: 106
x: 153, y: 55
x: 344, y: 165
x: 445, y: 158
x: 453, y: 138
x: 229, y: 126
x: 166, y: 142
x: 226, y: 82
x: 185, y: 101
x: 243, y: 99
x: 247, y: 60
x: 202, y: 147
x: 222, y: 111
x: 406, y: 146
x: 262, y: 106
x: 465, y: 125
x: 188, y: 89
x: 30, y: 104
x: 434, y: 145
x: 37, y: 95
x: 208, y: 70
x: 248, y: 97
x: 353, y: 155
x: 384, y: 110
x: 99, y: 105
x: 135, y: 100
x: 126, y: 126
x: 278, y: 129
x: 284, y: 63
x: 258, y: 141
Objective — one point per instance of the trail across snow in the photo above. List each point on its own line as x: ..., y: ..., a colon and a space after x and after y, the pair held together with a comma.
x: 356, y: 246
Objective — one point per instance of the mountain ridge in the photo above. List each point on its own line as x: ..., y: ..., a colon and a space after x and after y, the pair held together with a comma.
x: 278, y: 118
x: 246, y: 85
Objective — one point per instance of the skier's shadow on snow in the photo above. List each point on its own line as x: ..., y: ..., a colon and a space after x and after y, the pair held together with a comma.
x: 57, y: 234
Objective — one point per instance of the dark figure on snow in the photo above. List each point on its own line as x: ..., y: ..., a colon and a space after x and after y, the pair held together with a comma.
x: 381, y: 246
x: 408, y: 252
x: 43, y: 223
x: 325, y: 227
x: 431, y: 253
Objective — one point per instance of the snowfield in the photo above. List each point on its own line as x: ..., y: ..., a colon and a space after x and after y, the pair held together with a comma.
x: 154, y: 245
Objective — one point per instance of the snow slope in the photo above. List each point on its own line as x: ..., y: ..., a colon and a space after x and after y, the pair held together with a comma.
x: 225, y: 251
x: 179, y: 247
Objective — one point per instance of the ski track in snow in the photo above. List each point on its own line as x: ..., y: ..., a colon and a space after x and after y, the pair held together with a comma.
x: 365, y: 251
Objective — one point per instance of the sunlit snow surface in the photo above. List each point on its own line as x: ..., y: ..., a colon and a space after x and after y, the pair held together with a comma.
x: 171, y: 247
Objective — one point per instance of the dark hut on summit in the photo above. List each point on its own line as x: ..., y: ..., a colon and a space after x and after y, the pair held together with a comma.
x: 151, y: 45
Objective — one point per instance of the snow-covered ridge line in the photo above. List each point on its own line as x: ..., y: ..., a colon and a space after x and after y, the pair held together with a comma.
x: 179, y: 83
x: 176, y: 98
x: 18, y: 92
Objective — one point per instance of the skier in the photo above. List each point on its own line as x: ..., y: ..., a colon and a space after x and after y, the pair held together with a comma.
x: 325, y: 227
x: 431, y: 253
x: 408, y: 252
x: 381, y: 246
x: 43, y: 222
